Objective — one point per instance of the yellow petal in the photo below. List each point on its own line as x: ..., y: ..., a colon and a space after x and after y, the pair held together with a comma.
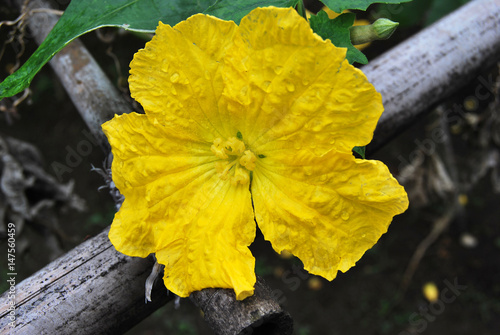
x: 295, y: 87
x: 143, y: 153
x: 199, y: 225
x: 217, y: 226
x: 325, y: 210
x: 177, y: 78
x: 131, y: 233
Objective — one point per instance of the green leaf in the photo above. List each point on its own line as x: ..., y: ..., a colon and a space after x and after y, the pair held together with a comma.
x: 82, y: 16
x: 337, y: 31
x: 340, y: 5
x: 360, y: 151
x: 235, y: 10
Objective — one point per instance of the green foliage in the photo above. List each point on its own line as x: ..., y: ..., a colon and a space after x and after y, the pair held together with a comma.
x: 340, y: 5
x: 360, y: 151
x: 235, y: 10
x: 337, y: 31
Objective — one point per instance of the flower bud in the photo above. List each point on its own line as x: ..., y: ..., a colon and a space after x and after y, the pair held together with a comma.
x: 379, y: 30
x: 384, y: 28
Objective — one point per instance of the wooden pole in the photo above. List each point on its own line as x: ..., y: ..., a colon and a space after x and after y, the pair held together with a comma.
x: 247, y: 317
x: 93, y: 289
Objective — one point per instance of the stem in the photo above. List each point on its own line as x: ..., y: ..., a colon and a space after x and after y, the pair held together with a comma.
x: 301, y: 9
x: 362, y: 34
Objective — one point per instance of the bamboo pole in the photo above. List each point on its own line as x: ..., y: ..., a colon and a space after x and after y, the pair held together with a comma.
x: 411, y: 77
x: 93, y: 289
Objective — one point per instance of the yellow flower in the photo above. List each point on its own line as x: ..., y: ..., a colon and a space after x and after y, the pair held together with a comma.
x: 244, y: 123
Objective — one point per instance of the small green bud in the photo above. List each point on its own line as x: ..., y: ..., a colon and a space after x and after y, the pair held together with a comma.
x: 384, y: 28
x: 379, y: 30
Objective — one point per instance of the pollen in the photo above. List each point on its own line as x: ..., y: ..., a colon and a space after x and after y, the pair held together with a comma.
x: 236, y: 161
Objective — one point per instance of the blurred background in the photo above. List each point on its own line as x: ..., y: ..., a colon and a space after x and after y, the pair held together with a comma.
x: 436, y: 271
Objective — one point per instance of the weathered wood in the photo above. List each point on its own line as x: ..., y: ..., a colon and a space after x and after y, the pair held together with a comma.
x: 411, y: 78
x: 424, y: 69
x: 93, y: 289
x: 248, y: 317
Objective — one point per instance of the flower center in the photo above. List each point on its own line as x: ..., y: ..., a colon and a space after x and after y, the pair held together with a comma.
x: 236, y: 162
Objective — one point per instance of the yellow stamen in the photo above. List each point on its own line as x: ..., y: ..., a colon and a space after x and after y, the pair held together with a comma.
x: 241, y: 176
x: 218, y: 148
x: 248, y: 160
x: 233, y: 153
x: 234, y: 146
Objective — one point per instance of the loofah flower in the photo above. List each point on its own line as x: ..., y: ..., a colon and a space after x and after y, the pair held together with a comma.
x: 247, y: 123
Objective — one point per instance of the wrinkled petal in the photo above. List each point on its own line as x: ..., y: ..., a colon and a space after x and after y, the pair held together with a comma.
x: 295, y: 87
x: 144, y: 151
x: 199, y: 225
x: 217, y: 228
x: 131, y: 233
x: 325, y: 210
x: 177, y: 78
